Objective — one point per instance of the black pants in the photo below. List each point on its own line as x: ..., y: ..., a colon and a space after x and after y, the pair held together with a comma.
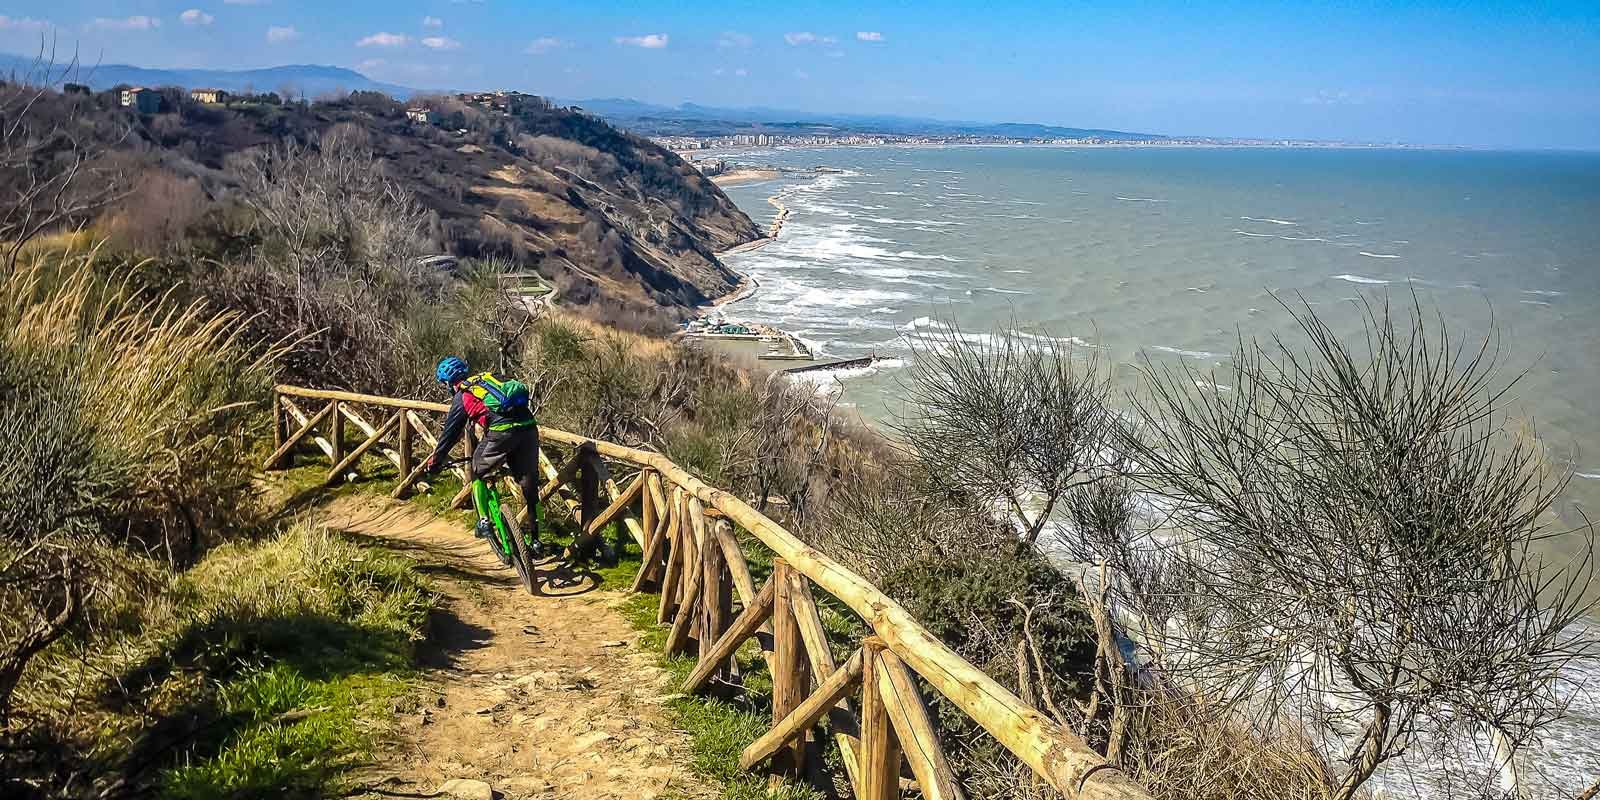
x: 518, y: 450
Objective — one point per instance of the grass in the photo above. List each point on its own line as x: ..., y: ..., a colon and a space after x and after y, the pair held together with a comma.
x: 266, y: 670
x: 311, y: 637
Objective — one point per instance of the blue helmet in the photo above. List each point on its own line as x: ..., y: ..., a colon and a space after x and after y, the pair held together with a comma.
x: 450, y: 370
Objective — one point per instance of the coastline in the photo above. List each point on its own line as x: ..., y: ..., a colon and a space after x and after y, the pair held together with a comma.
x: 747, y: 284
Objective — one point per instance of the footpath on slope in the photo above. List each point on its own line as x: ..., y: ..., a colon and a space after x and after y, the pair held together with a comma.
x: 540, y: 696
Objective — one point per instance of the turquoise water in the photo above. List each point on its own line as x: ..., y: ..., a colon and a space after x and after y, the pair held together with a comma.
x: 1172, y: 253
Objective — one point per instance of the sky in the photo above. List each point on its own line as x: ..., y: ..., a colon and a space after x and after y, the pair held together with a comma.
x: 1492, y: 74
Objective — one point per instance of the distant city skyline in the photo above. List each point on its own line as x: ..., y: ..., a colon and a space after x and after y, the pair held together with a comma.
x: 1489, y: 74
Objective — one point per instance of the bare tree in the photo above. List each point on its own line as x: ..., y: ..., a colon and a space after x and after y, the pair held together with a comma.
x: 50, y: 174
x: 1362, y: 538
x: 1015, y: 418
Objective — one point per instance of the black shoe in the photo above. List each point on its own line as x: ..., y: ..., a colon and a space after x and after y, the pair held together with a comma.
x: 608, y: 556
x: 483, y: 530
x: 536, y: 550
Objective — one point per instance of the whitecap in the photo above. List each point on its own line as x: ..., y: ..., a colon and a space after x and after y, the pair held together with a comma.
x: 1302, y: 238
x: 1270, y: 219
x: 1187, y: 353
x: 998, y: 290
x: 1588, y: 476
x: 1019, y: 271
x: 1141, y: 199
x: 1534, y: 302
x: 1543, y: 292
x: 926, y: 257
x: 1256, y: 235
x: 885, y: 310
x: 1359, y: 279
x: 1378, y: 255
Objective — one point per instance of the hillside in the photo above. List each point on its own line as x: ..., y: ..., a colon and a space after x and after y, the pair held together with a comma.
x: 604, y: 215
x: 308, y: 80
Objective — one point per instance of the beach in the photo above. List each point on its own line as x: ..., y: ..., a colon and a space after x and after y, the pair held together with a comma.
x: 741, y: 176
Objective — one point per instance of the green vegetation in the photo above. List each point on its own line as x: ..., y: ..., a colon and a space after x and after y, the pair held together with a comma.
x: 269, y: 667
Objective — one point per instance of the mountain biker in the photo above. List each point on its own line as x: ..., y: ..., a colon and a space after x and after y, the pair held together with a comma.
x: 511, y: 436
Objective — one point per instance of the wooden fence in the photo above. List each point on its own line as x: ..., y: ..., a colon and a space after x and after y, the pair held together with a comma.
x: 708, y: 596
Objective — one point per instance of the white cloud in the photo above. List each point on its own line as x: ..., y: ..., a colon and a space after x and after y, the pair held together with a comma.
x: 195, y: 16
x: 798, y: 38
x: 22, y: 24
x: 384, y: 39
x: 278, y: 34
x: 542, y: 45
x: 371, y: 63
x: 734, y: 39
x: 869, y: 36
x: 138, y: 23
x: 440, y: 43
x: 651, y: 41
x: 741, y: 72
x: 432, y: 22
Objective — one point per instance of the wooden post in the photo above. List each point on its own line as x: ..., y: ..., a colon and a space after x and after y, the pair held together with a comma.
x: 463, y: 498
x: 280, y: 424
x: 880, y: 748
x: 300, y: 417
x: 716, y: 600
x: 404, y: 446
x: 647, y: 512
x: 743, y: 627
x: 307, y: 427
x: 806, y: 714
x: 790, y: 675
x: 355, y: 455
x: 675, y: 555
x: 336, y: 433
x: 914, y: 729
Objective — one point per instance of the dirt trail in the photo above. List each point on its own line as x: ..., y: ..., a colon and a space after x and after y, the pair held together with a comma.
x: 540, y: 697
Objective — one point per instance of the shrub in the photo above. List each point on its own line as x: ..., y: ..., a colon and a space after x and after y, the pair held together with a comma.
x: 131, y: 421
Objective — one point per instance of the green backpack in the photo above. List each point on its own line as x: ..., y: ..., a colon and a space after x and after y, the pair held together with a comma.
x: 506, y: 400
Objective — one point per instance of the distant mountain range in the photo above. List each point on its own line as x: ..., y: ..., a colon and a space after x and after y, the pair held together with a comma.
x: 691, y: 119
x: 688, y: 119
x: 308, y: 79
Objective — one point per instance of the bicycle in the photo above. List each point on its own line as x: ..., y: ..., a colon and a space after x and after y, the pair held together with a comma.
x: 509, y: 543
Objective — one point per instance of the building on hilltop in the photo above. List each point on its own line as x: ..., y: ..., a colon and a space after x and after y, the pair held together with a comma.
x: 506, y: 102
x: 422, y: 116
x: 210, y: 96
x: 142, y: 100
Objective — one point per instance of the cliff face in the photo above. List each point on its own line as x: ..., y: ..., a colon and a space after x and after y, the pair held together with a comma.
x: 612, y: 219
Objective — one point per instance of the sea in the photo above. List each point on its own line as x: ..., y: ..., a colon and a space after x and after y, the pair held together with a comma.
x: 1172, y: 254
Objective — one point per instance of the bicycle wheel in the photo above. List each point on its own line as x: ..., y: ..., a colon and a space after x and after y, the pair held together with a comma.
x: 519, y: 551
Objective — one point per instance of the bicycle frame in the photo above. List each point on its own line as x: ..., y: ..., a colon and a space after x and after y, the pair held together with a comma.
x: 487, y: 501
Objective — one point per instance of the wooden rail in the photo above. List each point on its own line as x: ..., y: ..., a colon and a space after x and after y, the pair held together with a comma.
x: 879, y: 718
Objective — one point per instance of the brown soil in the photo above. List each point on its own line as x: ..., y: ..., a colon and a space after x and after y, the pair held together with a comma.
x: 542, y: 696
